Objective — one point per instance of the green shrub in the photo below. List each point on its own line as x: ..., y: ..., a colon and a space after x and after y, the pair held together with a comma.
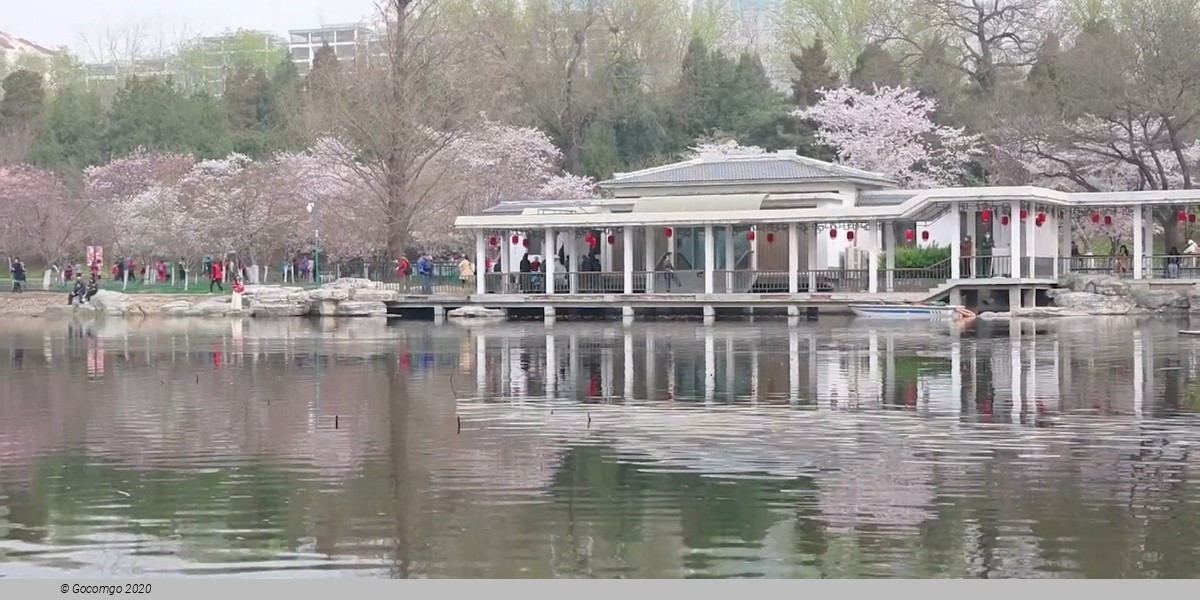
x: 920, y: 257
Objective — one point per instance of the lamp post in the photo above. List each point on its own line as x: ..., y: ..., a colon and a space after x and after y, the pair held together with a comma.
x: 312, y: 210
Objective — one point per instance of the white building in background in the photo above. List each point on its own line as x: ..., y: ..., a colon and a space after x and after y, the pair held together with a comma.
x: 15, y: 49
x: 348, y: 40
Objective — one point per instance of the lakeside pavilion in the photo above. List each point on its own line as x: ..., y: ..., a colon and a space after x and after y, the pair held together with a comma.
x: 786, y: 231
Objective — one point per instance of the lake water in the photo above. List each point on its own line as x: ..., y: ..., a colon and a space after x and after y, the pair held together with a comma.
x: 832, y: 449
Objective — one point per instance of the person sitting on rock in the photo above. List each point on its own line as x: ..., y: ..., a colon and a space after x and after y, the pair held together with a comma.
x: 79, y: 292
x: 93, y: 287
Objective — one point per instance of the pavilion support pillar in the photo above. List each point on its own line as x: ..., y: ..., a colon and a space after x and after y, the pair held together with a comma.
x: 627, y: 254
x: 956, y: 244
x: 574, y: 262
x: 1014, y: 259
x: 889, y: 249
x: 873, y: 259
x: 1063, y: 236
x: 548, y: 260
x: 710, y: 252
x: 480, y: 262
x: 1138, y: 242
x: 1148, y: 236
x: 793, y: 232
x: 649, y: 258
x: 754, y: 251
x: 814, y: 260
x: 729, y: 258
x: 1031, y: 239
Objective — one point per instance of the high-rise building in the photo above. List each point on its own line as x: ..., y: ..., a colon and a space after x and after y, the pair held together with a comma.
x: 347, y: 40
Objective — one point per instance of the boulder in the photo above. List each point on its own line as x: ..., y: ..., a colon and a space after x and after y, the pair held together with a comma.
x: 179, y: 308
x: 74, y: 310
x: 324, y: 308
x: 1193, y: 298
x: 350, y: 283
x: 1096, y: 304
x: 1104, y: 285
x: 351, y: 308
x: 111, y: 303
x: 1160, y: 300
x: 214, y: 308
x: 278, y: 307
x: 475, y: 312
x: 1042, y: 312
x: 373, y: 295
x: 328, y: 293
x: 269, y: 291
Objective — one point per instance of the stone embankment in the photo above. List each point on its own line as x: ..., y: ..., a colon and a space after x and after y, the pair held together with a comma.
x: 346, y: 297
x: 1103, y: 295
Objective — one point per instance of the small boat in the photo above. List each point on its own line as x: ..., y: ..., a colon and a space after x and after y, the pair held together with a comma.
x: 925, y: 312
x: 1189, y: 332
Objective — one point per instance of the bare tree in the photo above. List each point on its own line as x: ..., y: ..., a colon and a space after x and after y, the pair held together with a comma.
x: 396, y: 111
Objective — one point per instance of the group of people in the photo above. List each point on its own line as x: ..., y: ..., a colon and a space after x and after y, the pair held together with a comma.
x: 17, y: 269
x: 424, y: 271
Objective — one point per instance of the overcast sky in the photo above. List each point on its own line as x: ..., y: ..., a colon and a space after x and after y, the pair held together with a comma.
x: 56, y: 23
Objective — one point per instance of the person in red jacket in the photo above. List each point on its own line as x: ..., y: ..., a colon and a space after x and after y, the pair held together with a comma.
x: 215, y: 277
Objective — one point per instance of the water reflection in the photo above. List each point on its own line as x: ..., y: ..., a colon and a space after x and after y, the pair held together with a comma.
x: 671, y: 449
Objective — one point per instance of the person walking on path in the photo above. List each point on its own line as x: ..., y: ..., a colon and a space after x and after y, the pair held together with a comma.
x: 425, y: 270
x: 403, y: 268
x: 215, y: 277
x: 18, y: 275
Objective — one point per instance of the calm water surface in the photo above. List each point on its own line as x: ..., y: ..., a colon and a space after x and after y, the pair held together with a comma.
x: 833, y: 449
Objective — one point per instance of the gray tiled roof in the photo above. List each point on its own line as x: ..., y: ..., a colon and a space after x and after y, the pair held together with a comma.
x: 762, y: 167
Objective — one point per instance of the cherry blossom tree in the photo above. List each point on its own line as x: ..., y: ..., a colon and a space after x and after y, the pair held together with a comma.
x: 38, y: 213
x: 707, y: 147
x: 890, y: 131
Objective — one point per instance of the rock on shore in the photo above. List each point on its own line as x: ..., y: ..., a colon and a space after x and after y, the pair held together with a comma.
x: 1107, y: 295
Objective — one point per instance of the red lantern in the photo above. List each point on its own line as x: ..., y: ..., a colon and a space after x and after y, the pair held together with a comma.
x: 750, y: 235
x: 525, y: 243
x: 910, y: 235
x: 492, y: 241
x: 925, y: 235
x: 516, y: 239
x: 850, y: 235
x: 612, y: 239
x: 1095, y: 218
x: 1182, y: 216
x: 1024, y: 213
x: 1004, y: 220
x: 1041, y: 216
x: 1039, y: 222
x: 833, y: 233
x: 667, y: 232
x: 589, y: 239
x: 986, y: 215
x: 1108, y: 220
x: 770, y: 237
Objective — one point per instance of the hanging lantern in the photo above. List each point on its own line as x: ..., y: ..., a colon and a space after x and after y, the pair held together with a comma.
x: 1107, y: 220
x: 833, y: 233
x: 612, y: 239
x: 525, y: 243
x: 492, y: 241
x: 850, y: 235
x: 770, y: 237
x: 589, y: 239
x: 925, y: 235
x: 1095, y: 218
x: 1039, y: 222
x: 1004, y: 220
x: 1024, y: 213
x: 910, y: 235
x: 986, y: 215
x: 750, y: 235
x: 516, y: 239
x: 667, y: 232
x: 1182, y: 216
x: 1041, y: 216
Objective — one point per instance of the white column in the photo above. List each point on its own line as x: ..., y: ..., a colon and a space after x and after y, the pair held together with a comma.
x: 1031, y: 239
x: 1058, y: 227
x: 754, y: 250
x: 551, y: 374
x: 794, y: 365
x: 1014, y: 222
x: 710, y: 251
x: 1139, y: 368
x: 710, y: 365
x: 889, y: 247
x: 649, y: 258
x: 548, y: 260
x: 627, y: 362
x: 873, y: 260
x: 1137, y: 243
x: 627, y: 253
x: 813, y: 256
x: 794, y: 259
x: 1148, y: 236
x: 605, y: 253
x: 729, y: 258
x: 480, y: 262
x: 573, y: 262
x: 956, y: 244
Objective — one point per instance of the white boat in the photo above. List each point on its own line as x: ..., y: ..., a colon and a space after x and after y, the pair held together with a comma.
x: 923, y: 312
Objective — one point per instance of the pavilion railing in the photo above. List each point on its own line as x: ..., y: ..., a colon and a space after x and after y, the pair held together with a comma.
x: 915, y: 279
